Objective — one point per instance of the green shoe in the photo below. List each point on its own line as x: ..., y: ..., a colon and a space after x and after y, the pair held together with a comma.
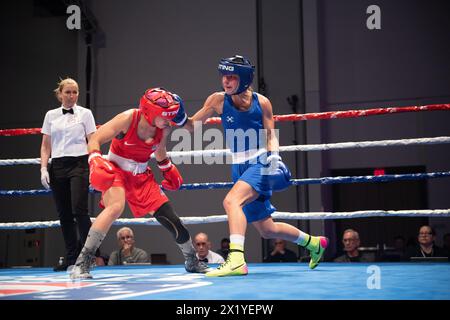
x: 234, y: 265
x: 316, y: 249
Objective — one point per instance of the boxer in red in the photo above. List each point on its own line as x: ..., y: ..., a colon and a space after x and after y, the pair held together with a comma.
x: 125, y: 176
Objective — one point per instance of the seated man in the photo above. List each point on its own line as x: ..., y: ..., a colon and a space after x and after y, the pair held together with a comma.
x: 280, y: 253
x: 351, y: 242
x: 127, y: 253
x: 426, y: 247
x: 203, y: 246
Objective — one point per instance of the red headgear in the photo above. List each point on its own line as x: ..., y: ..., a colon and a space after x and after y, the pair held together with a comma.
x: 158, y: 102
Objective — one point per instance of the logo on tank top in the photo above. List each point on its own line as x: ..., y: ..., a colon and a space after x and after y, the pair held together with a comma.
x: 230, y: 119
x: 129, y: 144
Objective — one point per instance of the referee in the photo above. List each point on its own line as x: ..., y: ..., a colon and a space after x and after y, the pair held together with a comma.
x: 65, y: 133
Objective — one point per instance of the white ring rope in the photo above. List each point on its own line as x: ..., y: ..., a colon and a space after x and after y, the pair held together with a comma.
x: 275, y: 215
x: 309, y: 147
x: 366, y: 144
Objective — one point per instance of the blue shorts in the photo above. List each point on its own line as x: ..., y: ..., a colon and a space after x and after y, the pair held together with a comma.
x: 261, y: 208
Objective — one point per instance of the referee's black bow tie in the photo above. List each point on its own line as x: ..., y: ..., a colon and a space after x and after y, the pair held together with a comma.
x: 67, y: 111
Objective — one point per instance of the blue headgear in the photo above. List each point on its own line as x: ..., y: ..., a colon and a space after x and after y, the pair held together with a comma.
x: 240, y: 66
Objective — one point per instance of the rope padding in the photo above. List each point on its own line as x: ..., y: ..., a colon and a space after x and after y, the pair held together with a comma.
x: 290, y: 117
x: 306, y: 147
x: 223, y: 218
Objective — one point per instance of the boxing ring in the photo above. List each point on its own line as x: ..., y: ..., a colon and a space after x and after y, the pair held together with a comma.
x: 265, y: 281
x: 286, y: 281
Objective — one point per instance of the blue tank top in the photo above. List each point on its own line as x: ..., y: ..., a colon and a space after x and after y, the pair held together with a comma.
x: 243, y: 128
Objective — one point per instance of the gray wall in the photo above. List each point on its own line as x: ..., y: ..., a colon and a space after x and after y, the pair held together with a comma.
x: 177, y: 44
x: 404, y: 63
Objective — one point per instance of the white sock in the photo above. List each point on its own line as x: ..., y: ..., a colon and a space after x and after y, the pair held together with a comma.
x: 302, y: 238
x: 93, y: 240
x: 187, y: 248
x: 237, y: 239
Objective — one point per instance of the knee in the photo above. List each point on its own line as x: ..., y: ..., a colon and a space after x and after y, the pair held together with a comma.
x: 115, y: 209
x: 229, y: 202
x: 265, y: 234
x: 167, y: 217
x: 226, y: 203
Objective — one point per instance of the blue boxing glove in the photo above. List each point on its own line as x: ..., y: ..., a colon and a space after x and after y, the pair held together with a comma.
x: 278, y: 173
x: 281, y: 180
x: 181, y: 117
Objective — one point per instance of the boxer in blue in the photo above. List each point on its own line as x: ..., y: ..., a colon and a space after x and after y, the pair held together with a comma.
x: 257, y: 168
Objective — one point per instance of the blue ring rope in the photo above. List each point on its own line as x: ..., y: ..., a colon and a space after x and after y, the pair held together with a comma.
x: 226, y: 185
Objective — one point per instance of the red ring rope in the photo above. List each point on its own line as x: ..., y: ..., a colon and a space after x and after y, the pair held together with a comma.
x: 290, y: 117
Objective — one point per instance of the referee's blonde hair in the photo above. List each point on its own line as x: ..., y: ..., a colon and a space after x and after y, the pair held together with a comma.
x: 61, y: 84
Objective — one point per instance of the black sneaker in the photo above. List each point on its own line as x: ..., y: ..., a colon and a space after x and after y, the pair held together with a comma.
x: 82, y: 267
x: 192, y: 264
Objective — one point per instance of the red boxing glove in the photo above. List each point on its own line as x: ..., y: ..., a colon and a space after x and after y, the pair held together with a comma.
x: 172, y: 177
x: 101, y: 175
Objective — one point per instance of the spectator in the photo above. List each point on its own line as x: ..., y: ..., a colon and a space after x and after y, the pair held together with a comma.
x: 280, y: 253
x: 127, y: 253
x: 224, y: 248
x: 351, y: 242
x: 426, y: 247
x: 203, y: 246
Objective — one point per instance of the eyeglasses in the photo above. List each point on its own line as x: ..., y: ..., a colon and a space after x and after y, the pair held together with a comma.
x: 349, y: 240
x: 126, y: 237
x: 200, y: 244
x: 425, y: 234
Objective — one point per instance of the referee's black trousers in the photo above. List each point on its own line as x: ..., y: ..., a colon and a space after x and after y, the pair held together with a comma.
x: 69, y: 180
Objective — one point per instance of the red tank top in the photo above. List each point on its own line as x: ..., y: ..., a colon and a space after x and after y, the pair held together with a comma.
x: 131, y: 146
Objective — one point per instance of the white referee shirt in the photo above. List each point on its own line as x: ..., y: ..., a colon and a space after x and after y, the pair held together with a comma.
x: 213, y: 257
x: 68, y: 131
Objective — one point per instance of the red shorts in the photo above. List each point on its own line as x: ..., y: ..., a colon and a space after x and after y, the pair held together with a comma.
x: 142, y: 192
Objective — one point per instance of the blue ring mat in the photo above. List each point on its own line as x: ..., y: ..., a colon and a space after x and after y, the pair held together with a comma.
x: 265, y: 281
